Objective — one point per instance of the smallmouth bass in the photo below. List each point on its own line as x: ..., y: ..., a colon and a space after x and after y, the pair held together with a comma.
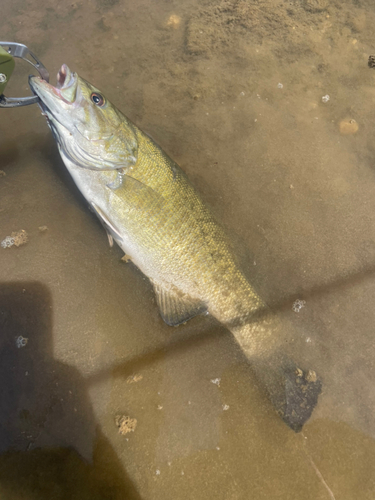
x: 151, y: 210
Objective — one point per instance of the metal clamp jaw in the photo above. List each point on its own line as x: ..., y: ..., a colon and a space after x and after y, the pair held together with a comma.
x: 8, y: 50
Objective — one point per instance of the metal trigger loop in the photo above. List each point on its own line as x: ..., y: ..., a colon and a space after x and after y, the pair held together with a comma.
x: 9, y: 50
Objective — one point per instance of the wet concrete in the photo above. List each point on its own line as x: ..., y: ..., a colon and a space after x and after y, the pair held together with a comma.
x: 296, y: 194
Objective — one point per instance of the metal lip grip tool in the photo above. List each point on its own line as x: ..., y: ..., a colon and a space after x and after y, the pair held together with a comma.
x: 9, y: 50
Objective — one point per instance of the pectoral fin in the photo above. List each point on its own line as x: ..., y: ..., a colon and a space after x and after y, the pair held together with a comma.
x: 176, y: 308
x: 111, y: 230
x: 117, y: 183
x: 132, y: 189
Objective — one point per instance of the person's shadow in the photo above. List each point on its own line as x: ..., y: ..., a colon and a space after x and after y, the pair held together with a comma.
x: 50, y: 445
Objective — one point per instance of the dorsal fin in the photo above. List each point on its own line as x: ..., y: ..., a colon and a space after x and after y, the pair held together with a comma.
x: 175, y: 307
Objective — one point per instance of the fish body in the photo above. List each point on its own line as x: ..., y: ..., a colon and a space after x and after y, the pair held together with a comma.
x: 150, y: 208
x: 160, y: 221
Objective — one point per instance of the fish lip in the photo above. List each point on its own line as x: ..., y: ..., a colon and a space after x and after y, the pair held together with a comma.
x: 46, y: 111
x: 41, y: 103
x: 65, y: 79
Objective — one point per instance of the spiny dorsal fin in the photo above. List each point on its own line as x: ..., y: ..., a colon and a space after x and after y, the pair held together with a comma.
x: 176, y: 308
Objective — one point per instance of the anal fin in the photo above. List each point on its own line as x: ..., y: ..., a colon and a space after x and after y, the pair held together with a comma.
x: 175, y: 307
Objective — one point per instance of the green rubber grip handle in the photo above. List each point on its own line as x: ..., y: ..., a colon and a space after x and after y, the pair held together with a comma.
x: 6, y: 68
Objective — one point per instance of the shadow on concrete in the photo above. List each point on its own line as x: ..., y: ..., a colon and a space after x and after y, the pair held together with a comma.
x: 50, y: 445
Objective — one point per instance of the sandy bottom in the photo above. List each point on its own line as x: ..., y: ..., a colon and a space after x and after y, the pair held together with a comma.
x: 269, y: 106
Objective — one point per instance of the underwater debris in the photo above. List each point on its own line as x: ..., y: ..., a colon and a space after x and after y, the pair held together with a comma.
x: 7, y: 242
x: 132, y: 379
x: 42, y: 229
x: 2, y: 173
x: 216, y: 381
x: 225, y: 407
x: 125, y: 424
x: 280, y: 86
x: 298, y: 305
x: 17, y: 238
x: 325, y: 98
x: 21, y: 341
x: 174, y: 21
x: 126, y: 258
x: 311, y: 376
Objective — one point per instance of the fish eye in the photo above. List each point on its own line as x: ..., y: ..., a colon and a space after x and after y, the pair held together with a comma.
x: 97, y: 99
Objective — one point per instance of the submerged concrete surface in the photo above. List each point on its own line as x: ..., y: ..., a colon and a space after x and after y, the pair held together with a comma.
x: 233, y: 92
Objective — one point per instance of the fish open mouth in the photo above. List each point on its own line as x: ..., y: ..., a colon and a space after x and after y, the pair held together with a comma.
x: 65, y: 77
x: 65, y: 89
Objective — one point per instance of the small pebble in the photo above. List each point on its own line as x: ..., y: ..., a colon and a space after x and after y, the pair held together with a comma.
x: 325, y: 98
x: 42, y: 229
x: 225, y: 407
x: 280, y: 85
x: 216, y: 381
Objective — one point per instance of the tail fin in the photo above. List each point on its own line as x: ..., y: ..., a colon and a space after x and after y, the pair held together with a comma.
x: 293, y: 391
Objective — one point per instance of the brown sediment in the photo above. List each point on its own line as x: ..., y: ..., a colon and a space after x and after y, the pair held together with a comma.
x: 125, y: 424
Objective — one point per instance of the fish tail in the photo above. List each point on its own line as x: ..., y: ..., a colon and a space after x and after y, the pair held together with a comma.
x: 263, y: 337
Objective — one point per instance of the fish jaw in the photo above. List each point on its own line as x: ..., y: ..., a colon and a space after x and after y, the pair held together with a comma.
x: 57, y: 102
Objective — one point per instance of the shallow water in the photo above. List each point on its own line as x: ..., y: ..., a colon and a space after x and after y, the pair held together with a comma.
x: 295, y: 193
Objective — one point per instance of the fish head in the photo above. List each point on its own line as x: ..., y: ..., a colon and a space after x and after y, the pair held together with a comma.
x: 89, y: 130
